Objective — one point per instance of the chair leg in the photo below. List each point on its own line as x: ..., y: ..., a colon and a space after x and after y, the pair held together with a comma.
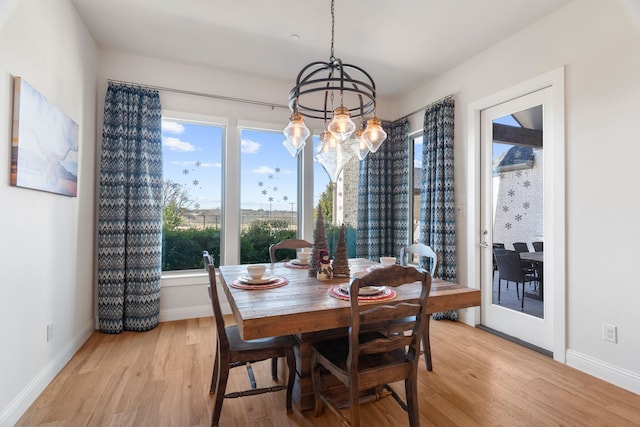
x: 291, y: 377
x: 411, y: 391
x: 426, y: 345
x: 221, y: 386
x: 214, y: 376
x: 274, y: 368
x: 499, y: 286
x: 521, y: 302
x: 354, y: 402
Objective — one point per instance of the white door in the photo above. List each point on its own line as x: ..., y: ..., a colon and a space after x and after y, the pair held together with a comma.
x: 512, y: 209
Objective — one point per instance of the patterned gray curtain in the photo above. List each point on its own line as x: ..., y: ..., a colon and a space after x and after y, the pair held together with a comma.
x: 130, y: 211
x: 383, y: 196
x: 437, y: 210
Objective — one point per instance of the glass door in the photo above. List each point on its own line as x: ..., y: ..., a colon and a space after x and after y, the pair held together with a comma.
x: 512, y: 220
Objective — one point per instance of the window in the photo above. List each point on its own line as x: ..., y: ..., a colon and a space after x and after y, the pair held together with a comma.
x: 415, y: 198
x: 192, y: 192
x: 268, y: 193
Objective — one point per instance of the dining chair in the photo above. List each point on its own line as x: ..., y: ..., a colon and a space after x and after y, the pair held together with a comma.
x: 510, y: 268
x: 529, y: 267
x: 232, y: 351
x: 367, y: 359
x: 287, y: 244
x: 537, y: 246
x: 399, y: 325
x: 422, y: 251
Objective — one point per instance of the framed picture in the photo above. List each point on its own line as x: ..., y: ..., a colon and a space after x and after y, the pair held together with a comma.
x: 44, y: 144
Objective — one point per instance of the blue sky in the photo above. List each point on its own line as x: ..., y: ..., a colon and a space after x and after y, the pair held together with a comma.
x: 192, y: 156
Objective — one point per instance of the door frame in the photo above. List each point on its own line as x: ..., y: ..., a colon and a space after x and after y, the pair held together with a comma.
x: 554, y: 187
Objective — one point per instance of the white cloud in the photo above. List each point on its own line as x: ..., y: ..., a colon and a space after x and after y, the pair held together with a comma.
x: 263, y: 170
x: 172, y: 127
x: 175, y: 144
x: 249, y: 146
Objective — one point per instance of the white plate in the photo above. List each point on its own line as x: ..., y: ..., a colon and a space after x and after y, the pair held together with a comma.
x: 263, y: 281
x: 365, y: 290
x: 299, y: 262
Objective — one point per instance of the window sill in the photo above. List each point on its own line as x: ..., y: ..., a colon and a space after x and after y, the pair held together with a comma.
x: 184, y: 278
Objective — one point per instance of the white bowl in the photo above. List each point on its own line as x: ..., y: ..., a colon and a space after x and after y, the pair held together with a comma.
x: 304, y: 256
x: 386, y: 261
x: 256, y: 271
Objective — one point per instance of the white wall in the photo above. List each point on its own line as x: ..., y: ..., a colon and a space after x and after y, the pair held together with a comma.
x: 46, y: 248
x: 598, y: 42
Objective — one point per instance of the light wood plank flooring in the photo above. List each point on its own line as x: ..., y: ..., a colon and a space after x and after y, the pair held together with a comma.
x: 161, y: 378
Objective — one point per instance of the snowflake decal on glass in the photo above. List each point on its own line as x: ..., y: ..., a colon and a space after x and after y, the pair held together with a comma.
x: 285, y: 198
x: 198, y: 164
x: 518, y: 217
x: 501, y: 176
x: 185, y: 171
x: 196, y: 205
x: 196, y: 182
x: 519, y: 174
x: 270, y: 199
x: 526, y: 205
x: 260, y: 183
x: 507, y: 226
x: 264, y: 192
x: 511, y: 193
x: 527, y: 183
x: 505, y: 208
x: 275, y: 188
x: 517, y: 154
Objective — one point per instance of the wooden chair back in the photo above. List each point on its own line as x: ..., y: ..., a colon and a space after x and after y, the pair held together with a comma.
x: 393, y: 276
x: 421, y: 250
x: 287, y: 244
x: 223, y: 340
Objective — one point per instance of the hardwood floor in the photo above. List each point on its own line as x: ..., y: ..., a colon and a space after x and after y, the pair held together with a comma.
x: 161, y: 378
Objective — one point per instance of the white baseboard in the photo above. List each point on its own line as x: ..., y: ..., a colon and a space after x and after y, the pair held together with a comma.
x: 12, y: 413
x: 192, y: 312
x: 605, y: 371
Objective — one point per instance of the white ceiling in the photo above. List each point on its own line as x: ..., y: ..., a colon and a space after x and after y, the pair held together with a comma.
x: 401, y: 43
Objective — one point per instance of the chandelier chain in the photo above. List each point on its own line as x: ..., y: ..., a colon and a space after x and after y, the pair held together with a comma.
x: 333, y: 19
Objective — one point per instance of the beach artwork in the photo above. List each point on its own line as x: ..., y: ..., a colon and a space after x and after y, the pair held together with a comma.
x: 44, y: 144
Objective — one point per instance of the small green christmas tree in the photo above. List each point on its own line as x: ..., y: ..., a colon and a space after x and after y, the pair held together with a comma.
x: 319, y: 242
x: 340, y: 260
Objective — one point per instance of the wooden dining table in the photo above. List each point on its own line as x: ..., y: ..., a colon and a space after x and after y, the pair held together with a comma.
x: 304, y: 308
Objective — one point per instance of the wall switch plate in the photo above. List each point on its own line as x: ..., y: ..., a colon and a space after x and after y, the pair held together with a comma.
x: 609, y: 332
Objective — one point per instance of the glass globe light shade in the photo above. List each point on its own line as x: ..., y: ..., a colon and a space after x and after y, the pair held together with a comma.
x: 332, y: 155
x: 374, y: 135
x: 296, y: 134
x: 341, y: 125
x: 359, y: 146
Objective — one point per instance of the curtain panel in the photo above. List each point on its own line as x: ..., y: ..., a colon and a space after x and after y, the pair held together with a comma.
x: 437, y: 210
x: 130, y: 210
x: 383, y: 196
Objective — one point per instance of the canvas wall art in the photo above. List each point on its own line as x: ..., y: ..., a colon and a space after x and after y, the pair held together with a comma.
x: 44, y: 144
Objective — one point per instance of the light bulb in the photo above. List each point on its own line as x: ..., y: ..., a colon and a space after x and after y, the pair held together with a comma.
x: 374, y: 135
x: 341, y: 126
x: 296, y: 134
x: 359, y: 145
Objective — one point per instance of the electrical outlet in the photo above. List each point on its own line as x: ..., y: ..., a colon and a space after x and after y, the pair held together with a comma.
x: 609, y: 332
x: 49, y: 332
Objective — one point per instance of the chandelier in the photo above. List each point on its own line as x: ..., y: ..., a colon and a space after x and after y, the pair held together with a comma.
x: 318, y: 86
